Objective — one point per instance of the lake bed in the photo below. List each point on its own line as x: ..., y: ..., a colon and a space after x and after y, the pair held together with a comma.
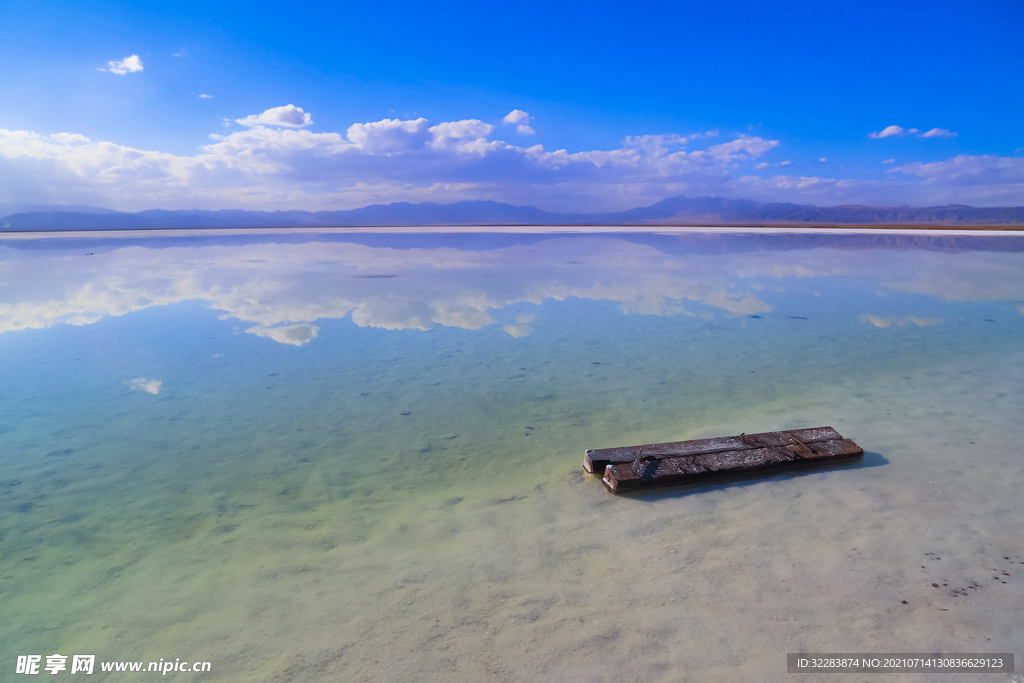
x: 344, y: 455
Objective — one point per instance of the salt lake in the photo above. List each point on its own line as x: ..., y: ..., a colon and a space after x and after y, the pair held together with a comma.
x: 345, y: 455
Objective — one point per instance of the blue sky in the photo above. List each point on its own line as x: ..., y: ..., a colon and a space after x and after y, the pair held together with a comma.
x: 564, y: 106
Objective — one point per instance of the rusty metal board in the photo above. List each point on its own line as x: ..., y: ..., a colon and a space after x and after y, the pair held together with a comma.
x: 635, y: 467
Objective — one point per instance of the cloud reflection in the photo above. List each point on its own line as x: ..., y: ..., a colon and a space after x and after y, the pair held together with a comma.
x: 295, y: 335
x: 282, y: 289
x: 885, y: 323
x: 150, y: 386
x: 521, y: 328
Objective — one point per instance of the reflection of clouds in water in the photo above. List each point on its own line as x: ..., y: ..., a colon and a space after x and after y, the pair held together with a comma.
x: 971, y: 276
x: 900, y: 322
x: 657, y: 294
x: 150, y: 386
x: 85, y: 305
x: 392, y: 314
x: 406, y: 313
x: 522, y: 326
x: 281, y: 289
x: 296, y: 335
x: 951, y: 276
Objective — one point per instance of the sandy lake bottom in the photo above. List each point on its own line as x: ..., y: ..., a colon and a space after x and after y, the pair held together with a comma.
x: 345, y: 457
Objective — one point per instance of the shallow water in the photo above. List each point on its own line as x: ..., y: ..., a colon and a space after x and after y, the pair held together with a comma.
x: 354, y: 456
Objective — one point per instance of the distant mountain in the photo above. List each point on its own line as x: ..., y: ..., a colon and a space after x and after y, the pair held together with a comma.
x: 718, y: 210
x: 672, y: 211
x: 400, y: 213
x: 61, y: 208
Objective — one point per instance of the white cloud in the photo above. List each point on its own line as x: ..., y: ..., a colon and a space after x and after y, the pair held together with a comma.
x: 976, y: 181
x: 126, y: 65
x: 897, y: 131
x: 150, y: 386
x: 888, y: 131
x: 521, y: 120
x: 390, y: 136
x: 765, y: 164
x: 823, y: 159
x: 990, y: 171
x: 655, y: 145
x: 516, y: 116
x: 389, y: 160
x: 205, y: 97
x: 288, y: 116
x: 939, y: 133
x: 742, y: 147
x: 69, y: 138
x: 454, y: 134
x: 889, y: 161
x: 269, y: 165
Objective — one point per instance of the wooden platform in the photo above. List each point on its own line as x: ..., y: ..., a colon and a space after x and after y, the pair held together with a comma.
x: 634, y: 467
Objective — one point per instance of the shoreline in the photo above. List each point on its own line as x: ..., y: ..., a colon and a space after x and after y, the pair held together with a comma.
x: 794, y: 228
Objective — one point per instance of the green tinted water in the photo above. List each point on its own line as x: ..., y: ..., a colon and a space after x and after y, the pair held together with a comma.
x: 349, y: 457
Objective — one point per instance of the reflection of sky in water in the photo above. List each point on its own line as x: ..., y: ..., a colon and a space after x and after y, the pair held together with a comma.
x: 282, y: 289
x: 358, y: 457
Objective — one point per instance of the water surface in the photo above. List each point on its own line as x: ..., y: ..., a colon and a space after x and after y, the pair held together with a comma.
x: 344, y: 456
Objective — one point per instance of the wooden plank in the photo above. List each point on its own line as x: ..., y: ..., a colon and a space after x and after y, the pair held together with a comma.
x: 661, y: 471
x: 595, y: 460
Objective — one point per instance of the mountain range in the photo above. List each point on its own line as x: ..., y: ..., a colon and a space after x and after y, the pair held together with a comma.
x: 672, y: 211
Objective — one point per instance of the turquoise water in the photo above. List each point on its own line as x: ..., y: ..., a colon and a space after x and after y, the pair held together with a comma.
x: 344, y: 456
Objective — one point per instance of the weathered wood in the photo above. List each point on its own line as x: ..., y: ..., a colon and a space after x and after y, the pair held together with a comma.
x: 702, y: 459
x: 595, y: 460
